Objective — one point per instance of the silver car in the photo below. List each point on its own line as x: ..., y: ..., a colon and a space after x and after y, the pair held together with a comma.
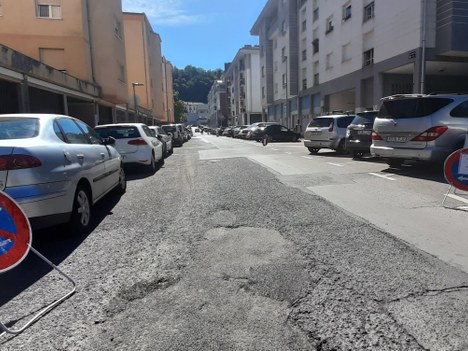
x: 419, y: 127
x: 56, y: 167
x: 327, y: 132
x: 136, y: 144
x: 165, y: 138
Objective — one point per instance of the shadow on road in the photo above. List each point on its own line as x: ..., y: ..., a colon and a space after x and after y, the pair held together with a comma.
x: 55, y: 245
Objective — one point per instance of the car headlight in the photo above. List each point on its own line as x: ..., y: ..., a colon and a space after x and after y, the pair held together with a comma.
x: 348, y: 133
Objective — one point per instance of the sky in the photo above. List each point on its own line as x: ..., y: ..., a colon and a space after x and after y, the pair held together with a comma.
x: 201, y: 33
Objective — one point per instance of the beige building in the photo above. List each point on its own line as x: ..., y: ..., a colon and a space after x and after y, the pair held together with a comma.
x: 82, y: 38
x: 168, y: 92
x: 144, y: 68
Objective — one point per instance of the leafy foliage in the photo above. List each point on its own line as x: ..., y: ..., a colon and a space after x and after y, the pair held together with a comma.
x: 193, y: 83
x: 179, y: 109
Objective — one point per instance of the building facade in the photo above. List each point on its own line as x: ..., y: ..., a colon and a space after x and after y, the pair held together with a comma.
x: 218, y: 105
x: 197, y: 113
x: 347, y: 54
x: 168, y: 93
x: 242, y: 78
x: 80, y: 38
x: 144, y: 69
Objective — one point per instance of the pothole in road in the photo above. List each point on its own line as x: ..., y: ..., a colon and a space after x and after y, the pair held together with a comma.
x: 224, y: 219
x: 137, y: 291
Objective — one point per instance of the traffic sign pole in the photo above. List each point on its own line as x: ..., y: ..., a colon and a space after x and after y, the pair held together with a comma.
x: 15, y: 244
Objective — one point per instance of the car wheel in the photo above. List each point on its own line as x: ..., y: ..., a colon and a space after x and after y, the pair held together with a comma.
x: 161, y: 163
x: 121, y: 187
x: 80, y: 220
x: 394, y: 162
x: 165, y: 153
x: 152, y: 165
x: 342, y: 148
x: 313, y: 150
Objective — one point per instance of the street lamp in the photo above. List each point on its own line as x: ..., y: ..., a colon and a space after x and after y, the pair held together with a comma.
x: 135, y: 99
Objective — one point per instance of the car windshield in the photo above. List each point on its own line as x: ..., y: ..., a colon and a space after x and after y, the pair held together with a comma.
x: 364, y: 118
x: 18, y: 128
x: 320, y: 122
x: 118, y: 132
x: 412, y: 107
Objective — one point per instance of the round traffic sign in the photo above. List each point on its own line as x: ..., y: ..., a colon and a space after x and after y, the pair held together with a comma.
x: 456, y: 169
x: 15, y: 233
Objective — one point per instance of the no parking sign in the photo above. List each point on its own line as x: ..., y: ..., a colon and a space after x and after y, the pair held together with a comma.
x: 15, y: 233
x: 456, y: 169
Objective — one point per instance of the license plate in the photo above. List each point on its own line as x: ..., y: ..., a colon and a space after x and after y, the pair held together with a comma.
x: 316, y: 132
x: 397, y: 139
x: 364, y: 132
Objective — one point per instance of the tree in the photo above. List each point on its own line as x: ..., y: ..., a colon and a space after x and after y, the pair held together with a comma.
x: 193, y: 83
x: 179, y: 109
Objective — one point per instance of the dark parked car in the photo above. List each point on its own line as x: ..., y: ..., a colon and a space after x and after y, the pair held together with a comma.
x: 278, y: 132
x: 359, y: 133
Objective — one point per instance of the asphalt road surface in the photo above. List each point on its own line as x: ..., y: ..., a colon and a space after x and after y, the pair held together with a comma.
x: 236, y: 246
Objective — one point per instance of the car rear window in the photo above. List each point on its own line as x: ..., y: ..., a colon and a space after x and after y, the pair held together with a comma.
x: 18, y: 128
x: 412, y: 108
x: 364, y: 118
x: 118, y: 132
x: 343, y: 122
x: 169, y: 128
x: 320, y: 122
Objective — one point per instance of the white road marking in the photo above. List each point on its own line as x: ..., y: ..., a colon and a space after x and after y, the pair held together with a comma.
x: 335, y: 164
x: 206, y: 141
x: 384, y: 176
x: 308, y: 157
x: 288, y: 153
x: 459, y: 198
x: 275, y: 149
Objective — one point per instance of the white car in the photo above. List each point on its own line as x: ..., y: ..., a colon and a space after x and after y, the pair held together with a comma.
x: 165, y: 138
x: 56, y: 167
x: 135, y: 143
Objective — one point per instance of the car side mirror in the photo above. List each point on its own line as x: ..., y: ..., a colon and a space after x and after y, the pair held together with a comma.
x: 109, y: 141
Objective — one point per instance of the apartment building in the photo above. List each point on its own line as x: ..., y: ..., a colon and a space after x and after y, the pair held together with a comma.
x: 242, y: 78
x: 168, y: 104
x: 81, y: 38
x: 197, y: 113
x: 144, y: 69
x: 350, y: 53
x: 218, y: 105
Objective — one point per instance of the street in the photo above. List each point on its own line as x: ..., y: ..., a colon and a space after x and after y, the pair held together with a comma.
x: 233, y: 245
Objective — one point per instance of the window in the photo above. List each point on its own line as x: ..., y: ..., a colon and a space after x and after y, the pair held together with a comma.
x: 329, y: 25
x: 275, y: 43
x: 73, y: 134
x: 304, y: 54
x: 284, y: 80
x: 368, y: 57
x: 118, y: 29
x: 460, y: 111
x: 276, y: 87
x: 304, y: 25
x: 369, y: 11
x: 122, y: 73
x: 263, y: 71
x: 346, y: 12
x: 263, y: 92
x: 315, y: 46
x: 304, y: 78
x: 283, y: 27
x: 316, y: 73
x: 329, y: 61
x: 346, y: 52
x: 283, y: 52
x: 316, y: 14
x: 93, y: 136
x: 49, y: 11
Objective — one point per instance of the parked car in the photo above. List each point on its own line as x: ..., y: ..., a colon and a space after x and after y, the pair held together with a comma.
x: 165, y: 138
x: 256, y: 130
x: 419, y: 127
x: 236, y: 130
x: 135, y: 143
x: 176, y: 133
x: 359, y: 133
x: 327, y: 131
x: 228, y: 131
x: 243, y: 133
x: 277, y: 132
x: 56, y: 167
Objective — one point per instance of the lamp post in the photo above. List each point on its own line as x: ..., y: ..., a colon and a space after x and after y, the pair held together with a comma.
x: 285, y: 59
x: 135, y: 98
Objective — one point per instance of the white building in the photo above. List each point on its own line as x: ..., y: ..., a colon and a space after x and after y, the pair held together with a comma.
x: 324, y: 55
x: 197, y: 113
x: 242, y: 78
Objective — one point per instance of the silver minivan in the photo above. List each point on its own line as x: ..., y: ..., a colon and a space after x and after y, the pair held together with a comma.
x: 327, y: 132
x: 419, y: 127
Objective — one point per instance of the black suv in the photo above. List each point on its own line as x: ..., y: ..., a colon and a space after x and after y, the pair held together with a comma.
x: 359, y: 133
